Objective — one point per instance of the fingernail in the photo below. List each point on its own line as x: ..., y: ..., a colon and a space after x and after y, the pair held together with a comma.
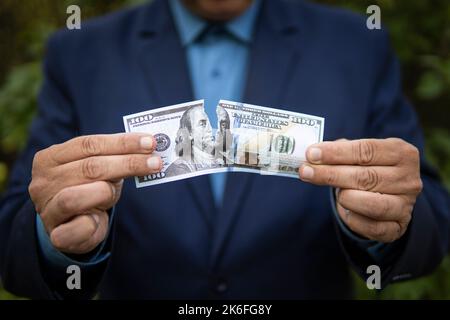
x: 154, y: 163
x: 147, y: 143
x: 307, y: 173
x: 314, y: 154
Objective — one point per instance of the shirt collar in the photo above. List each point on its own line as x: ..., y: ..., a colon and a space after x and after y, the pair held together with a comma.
x: 191, y: 26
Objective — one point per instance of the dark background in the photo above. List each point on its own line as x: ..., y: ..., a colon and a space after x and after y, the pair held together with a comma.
x: 420, y: 33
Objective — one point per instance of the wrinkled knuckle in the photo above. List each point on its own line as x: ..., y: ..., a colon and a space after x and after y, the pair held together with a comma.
x: 90, y: 146
x: 38, y: 158
x: 367, y: 179
x: 34, y: 187
x: 397, y: 141
x: 378, y: 210
x: 133, y: 164
x: 409, y: 151
x: 365, y: 152
x: 123, y: 142
x: 91, y: 169
x: 331, y: 177
x: 419, y: 186
x: 31, y: 189
x: 413, y: 151
x: 39, y: 164
x: 407, y: 219
x: 415, y: 154
x: 65, y: 201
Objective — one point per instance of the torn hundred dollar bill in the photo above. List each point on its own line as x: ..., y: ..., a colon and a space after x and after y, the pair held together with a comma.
x: 248, y: 138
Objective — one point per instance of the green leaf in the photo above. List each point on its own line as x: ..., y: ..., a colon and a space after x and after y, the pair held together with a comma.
x: 431, y: 86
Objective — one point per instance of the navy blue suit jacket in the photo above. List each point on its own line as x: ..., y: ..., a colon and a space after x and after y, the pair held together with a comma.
x: 274, y: 237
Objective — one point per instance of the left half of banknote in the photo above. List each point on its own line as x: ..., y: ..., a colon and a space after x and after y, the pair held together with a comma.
x: 184, y: 139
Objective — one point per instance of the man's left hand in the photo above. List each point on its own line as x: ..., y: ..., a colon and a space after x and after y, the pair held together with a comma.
x: 378, y: 181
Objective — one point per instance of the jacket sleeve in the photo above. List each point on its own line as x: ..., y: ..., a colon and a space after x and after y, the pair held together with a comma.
x: 425, y: 243
x: 22, y: 269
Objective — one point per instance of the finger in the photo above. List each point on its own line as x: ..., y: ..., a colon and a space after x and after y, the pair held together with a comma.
x: 375, y: 179
x: 82, y: 234
x: 383, y: 231
x: 109, y: 168
x: 96, y: 145
x: 376, y: 206
x: 77, y: 200
x: 383, y: 152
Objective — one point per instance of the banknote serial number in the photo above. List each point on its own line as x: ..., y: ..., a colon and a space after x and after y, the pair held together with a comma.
x: 226, y: 310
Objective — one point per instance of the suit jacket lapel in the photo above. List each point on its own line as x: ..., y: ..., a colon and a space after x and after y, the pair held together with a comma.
x: 272, y: 56
x: 164, y: 64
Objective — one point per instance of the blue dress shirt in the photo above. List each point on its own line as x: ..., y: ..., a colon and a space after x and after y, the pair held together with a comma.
x: 217, y: 59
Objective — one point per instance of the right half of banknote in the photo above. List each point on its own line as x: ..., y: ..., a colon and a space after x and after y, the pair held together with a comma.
x: 267, y: 140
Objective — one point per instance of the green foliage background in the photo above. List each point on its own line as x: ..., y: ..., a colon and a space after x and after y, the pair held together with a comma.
x: 420, y: 32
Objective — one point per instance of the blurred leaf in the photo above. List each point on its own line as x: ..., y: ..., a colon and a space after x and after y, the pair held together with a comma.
x: 438, y: 152
x: 18, y: 101
x: 3, y: 174
x: 431, y: 85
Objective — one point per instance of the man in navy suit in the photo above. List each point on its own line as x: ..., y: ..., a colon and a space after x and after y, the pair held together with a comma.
x: 369, y: 199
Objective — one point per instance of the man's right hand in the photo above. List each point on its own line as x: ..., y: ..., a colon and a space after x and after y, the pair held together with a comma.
x: 75, y: 183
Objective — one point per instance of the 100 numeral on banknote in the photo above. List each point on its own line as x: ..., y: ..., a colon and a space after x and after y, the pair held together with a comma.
x: 248, y: 138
